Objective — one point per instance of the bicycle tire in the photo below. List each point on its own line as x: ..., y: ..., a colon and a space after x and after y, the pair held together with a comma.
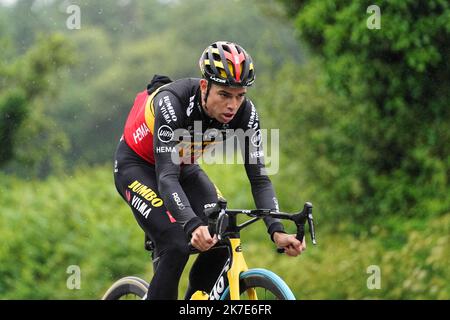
x: 127, y: 286
x: 262, y: 279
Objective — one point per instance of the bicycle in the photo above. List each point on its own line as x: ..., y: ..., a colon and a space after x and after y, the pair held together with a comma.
x: 235, y: 279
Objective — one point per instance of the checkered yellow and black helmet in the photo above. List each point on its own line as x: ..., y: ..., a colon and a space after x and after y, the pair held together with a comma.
x: 228, y: 64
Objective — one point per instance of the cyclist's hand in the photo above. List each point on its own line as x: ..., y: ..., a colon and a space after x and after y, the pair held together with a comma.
x: 289, y: 243
x: 201, y: 239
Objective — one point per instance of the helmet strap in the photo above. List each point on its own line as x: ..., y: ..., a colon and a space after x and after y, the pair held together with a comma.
x: 207, y: 91
x: 208, y: 88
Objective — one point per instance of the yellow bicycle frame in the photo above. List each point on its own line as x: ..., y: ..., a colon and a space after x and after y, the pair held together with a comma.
x: 238, y: 265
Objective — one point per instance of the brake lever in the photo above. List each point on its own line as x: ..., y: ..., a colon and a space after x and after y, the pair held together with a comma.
x: 300, y: 221
x: 312, y: 231
x: 217, y: 218
x: 222, y: 224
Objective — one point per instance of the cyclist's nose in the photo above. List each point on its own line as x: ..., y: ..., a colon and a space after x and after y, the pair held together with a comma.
x: 231, y: 107
x: 233, y: 104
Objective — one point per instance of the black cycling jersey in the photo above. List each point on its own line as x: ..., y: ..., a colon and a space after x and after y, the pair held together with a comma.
x: 177, y: 106
x: 156, y: 174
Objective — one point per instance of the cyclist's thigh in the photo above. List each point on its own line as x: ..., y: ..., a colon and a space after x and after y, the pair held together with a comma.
x: 136, y: 181
x: 199, y: 189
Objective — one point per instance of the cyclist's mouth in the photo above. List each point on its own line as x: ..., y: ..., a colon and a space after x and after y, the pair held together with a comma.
x: 228, y: 116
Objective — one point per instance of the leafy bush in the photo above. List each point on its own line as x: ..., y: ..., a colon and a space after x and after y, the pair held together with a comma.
x: 48, y: 226
x: 377, y: 142
x: 80, y: 220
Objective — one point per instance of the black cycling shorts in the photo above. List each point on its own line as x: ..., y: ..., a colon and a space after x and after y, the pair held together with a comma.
x: 135, y: 180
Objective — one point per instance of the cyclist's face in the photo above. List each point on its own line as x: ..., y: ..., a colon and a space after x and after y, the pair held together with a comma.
x: 223, y: 102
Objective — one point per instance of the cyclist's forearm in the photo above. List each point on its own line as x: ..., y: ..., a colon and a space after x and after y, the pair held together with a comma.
x: 176, y: 200
x: 262, y: 188
x: 264, y: 196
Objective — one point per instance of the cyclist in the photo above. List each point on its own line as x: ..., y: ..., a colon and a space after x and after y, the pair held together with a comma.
x: 166, y: 190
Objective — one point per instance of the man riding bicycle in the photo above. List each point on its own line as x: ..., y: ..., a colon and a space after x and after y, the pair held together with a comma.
x: 166, y: 190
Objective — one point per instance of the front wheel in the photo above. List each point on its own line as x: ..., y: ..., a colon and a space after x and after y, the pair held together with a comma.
x: 266, y: 284
x: 128, y: 288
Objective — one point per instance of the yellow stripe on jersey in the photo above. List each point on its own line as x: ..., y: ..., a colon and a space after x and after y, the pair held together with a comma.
x: 219, y: 194
x: 150, y: 110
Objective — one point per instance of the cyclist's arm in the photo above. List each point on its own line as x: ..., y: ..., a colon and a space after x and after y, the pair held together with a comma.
x: 168, y: 118
x: 262, y: 188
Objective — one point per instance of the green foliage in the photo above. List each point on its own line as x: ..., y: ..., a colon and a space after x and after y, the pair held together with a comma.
x: 338, y: 268
x: 26, y: 82
x: 364, y: 134
x: 122, y: 44
x: 80, y: 220
x: 12, y: 113
x: 48, y: 226
x: 384, y: 148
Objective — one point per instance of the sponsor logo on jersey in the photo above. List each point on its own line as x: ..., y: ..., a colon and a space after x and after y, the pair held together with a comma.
x: 165, y: 133
x: 178, y: 201
x: 256, y: 138
x: 257, y: 154
x: 146, y: 193
x: 209, y: 205
x: 140, y: 133
x: 141, y: 206
x: 211, y: 134
x: 191, y: 106
x: 253, y: 121
x: 195, y: 150
x: 167, y: 109
x: 165, y: 149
